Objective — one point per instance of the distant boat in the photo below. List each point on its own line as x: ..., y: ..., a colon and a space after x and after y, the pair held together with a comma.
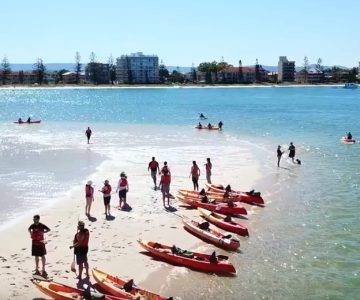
x: 350, y: 85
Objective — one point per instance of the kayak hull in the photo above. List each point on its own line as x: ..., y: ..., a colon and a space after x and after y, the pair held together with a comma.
x: 199, y: 261
x: 60, y: 291
x: 244, y: 197
x: 218, y: 220
x: 31, y: 122
x: 348, y: 141
x: 211, y: 236
x: 207, y: 128
x: 113, y: 286
x: 219, y: 207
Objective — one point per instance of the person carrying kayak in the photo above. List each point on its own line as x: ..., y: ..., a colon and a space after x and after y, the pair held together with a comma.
x: 349, y: 136
x: 88, y: 134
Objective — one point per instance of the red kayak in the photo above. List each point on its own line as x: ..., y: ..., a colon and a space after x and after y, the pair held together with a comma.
x: 197, y: 261
x: 205, y: 127
x: 60, y: 291
x: 223, y: 208
x: 31, y: 122
x: 348, y: 141
x: 224, y: 222
x: 210, y: 235
x: 244, y: 196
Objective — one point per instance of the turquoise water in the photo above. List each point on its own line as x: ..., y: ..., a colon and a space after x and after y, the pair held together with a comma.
x: 305, y: 243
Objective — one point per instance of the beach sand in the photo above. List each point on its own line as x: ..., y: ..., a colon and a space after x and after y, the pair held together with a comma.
x: 113, y: 243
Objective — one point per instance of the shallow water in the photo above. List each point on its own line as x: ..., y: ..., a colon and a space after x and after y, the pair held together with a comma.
x: 304, y: 244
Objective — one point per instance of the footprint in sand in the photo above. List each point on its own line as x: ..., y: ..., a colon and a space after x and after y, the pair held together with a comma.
x: 23, y: 249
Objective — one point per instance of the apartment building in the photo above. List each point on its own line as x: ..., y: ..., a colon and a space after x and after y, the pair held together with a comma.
x: 137, y: 68
x: 286, y: 70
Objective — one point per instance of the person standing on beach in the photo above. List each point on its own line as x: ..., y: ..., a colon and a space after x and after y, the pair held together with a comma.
x: 154, y: 167
x: 279, y: 154
x: 81, y: 248
x: 38, y: 248
x: 89, y: 196
x: 165, y: 184
x: 122, y: 188
x: 165, y: 168
x: 195, y: 174
x: 208, y: 167
x: 292, y: 151
x: 88, y: 134
x: 106, y: 190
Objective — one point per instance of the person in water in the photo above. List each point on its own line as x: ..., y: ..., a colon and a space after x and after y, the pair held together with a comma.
x: 195, y: 174
x: 202, y: 116
x: 28, y: 120
x: 349, y: 136
x: 81, y: 248
x: 154, y: 168
x: 208, y: 167
x: 88, y: 134
x: 199, y: 125
x: 20, y: 120
x: 89, y: 196
x: 220, y: 125
x: 209, y: 126
x: 122, y: 188
x: 292, y: 152
x: 279, y: 154
x: 38, y: 249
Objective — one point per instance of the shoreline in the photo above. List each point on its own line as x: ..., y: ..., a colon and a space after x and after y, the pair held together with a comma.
x: 113, y: 246
x: 159, y: 86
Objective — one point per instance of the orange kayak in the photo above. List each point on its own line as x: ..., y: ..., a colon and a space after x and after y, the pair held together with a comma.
x: 218, y: 196
x: 60, y: 291
x: 197, y: 261
x: 115, y: 286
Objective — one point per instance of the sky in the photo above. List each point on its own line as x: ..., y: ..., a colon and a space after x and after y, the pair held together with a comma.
x: 182, y: 33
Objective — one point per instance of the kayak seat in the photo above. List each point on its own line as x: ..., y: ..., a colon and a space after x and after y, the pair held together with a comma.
x: 204, y: 226
x: 227, y: 219
x: 227, y: 236
x: 223, y: 257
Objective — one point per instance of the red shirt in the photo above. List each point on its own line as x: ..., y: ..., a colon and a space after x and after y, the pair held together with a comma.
x: 166, y: 179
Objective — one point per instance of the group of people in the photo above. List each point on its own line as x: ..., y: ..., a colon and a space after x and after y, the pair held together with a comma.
x: 210, y: 126
x: 291, y: 154
x: 27, y: 121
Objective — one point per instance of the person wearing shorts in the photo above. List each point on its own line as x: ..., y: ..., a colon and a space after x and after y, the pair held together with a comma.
x: 195, y: 174
x: 38, y: 249
x: 81, y: 248
x: 154, y: 168
x: 122, y: 188
x: 165, y: 185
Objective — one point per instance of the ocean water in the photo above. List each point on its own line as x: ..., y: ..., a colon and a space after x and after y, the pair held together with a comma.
x: 304, y: 244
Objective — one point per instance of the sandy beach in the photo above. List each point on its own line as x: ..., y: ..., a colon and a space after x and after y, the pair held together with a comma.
x: 113, y: 243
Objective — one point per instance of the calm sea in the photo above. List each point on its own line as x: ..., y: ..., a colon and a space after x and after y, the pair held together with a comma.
x: 304, y: 245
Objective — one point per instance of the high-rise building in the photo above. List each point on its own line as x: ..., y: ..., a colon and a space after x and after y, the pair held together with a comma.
x: 137, y: 68
x: 286, y: 70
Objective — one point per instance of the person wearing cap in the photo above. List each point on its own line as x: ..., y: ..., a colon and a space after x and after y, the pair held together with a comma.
x: 208, y: 167
x: 122, y: 188
x: 154, y: 167
x: 81, y: 248
x: 38, y: 249
x: 89, y: 196
x: 106, y: 190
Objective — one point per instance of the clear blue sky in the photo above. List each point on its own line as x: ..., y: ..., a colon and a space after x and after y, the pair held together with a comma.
x: 182, y: 32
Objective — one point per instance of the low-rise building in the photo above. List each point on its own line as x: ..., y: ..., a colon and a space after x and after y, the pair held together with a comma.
x: 97, y: 73
x: 310, y: 76
x: 137, y: 68
x: 70, y: 77
x: 242, y: 75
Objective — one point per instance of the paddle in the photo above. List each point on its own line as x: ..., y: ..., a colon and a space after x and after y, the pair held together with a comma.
x: 72, y: 266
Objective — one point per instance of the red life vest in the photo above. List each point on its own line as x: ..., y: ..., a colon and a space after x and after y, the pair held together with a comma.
x: 166, y: 179
x: 85, y: 241
x: 153, y: 165
x: 195, y: 171
x: 123, y: 182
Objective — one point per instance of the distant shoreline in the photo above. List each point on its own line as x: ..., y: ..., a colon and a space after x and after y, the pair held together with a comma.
x: 162, y: 86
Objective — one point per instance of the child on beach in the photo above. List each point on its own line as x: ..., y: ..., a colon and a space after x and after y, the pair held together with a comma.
x: 38, y: 249
x: 122, y: 188
x: 89, y: 195
x: 106, y: 190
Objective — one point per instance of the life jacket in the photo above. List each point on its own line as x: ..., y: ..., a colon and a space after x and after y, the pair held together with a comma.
x: 37, y: 235
x: 166, y: 179
x: 153, y: 165
x: 194, y: 171
x: 85, y: 242
x: 123, y: 182
x: 89, y: 190
x: 107, y: 189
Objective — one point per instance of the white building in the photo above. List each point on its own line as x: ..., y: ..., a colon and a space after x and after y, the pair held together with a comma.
x: 137, y: 68
x: 286, y: 70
